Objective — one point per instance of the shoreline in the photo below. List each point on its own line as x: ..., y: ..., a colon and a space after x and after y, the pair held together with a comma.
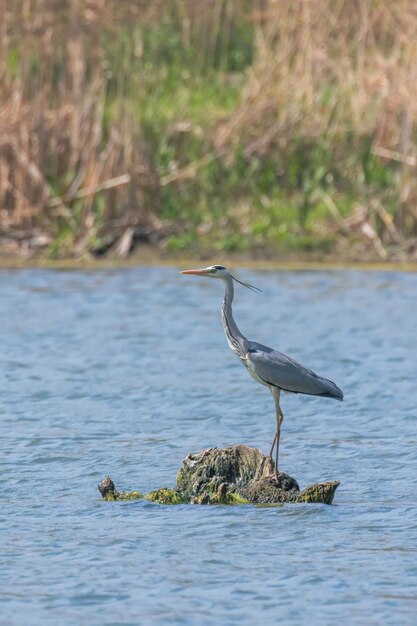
x: 154, y: 258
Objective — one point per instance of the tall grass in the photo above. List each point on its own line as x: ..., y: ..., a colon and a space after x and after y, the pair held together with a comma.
x: 227, y: 124
x: 331, y: 98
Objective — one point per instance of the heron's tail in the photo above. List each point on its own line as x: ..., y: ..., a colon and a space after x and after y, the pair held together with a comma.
x: 331, y: 390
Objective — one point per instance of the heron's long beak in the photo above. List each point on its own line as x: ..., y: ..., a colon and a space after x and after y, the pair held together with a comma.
x: 198, y: 272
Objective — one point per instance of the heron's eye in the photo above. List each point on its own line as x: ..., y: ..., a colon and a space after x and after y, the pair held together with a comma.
x: 218, y: 267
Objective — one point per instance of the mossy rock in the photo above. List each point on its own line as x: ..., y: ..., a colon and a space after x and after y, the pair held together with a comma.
x: 165, y: 496
x: 109, y: 492
x: 221, y: 496
x: 267, y: 491
x: 234, y: 475
x: 238, y: 466
x: 320, y: 492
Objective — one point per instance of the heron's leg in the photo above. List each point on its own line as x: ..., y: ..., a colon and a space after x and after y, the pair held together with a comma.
x: 268, y: 462
x: 280, y: 418
x: 273, y: 446
x: 276, y: 392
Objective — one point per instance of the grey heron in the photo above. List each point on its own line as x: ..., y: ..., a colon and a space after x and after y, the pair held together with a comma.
x: 267, y: 366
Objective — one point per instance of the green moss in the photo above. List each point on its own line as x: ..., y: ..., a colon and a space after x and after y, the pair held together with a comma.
x: 165, y: 496
x: 320, y: 492
x: 129, y: 495
x: 214, y: 498
x: 221, y: 496
x: 229, y: 498
x: 111, y: 497
x: 116, y: 496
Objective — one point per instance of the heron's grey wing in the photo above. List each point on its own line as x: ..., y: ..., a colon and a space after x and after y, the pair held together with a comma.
x: 278, y: 369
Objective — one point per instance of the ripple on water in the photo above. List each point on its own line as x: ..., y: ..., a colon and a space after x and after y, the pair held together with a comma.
x: 124, y: 372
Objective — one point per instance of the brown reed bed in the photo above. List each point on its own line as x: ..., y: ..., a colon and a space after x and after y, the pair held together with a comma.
x: 226, y: 124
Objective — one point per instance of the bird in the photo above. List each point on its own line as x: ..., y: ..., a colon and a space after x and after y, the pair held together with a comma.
x: 269, y: 367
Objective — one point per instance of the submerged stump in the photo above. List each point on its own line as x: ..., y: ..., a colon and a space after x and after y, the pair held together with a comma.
x: 234, y: 475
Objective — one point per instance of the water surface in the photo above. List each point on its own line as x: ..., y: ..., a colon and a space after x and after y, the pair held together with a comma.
x: 124, y: 372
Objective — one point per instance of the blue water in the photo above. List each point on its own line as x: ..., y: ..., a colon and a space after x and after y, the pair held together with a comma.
x: 125, y: 372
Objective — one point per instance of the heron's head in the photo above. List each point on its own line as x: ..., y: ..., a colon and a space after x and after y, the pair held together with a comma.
x: 213, y: 271
x: 218, y: 271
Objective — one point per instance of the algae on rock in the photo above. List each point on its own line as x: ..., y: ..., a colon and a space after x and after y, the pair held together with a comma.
x: 109, y: 492
x: 241, y: 468
x: 165, y: 496
x: 234, y: 475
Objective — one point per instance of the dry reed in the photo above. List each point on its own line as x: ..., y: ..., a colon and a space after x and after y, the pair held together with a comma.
x: 73, y: 156
x: 340, y: 71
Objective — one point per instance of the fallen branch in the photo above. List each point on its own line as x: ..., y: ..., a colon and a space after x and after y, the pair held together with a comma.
x: 90, y: 191
x: 393, y: 155
x: 187, y: 172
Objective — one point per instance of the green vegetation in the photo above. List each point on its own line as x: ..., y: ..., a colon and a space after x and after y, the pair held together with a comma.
x: 230, y: 476
x: 229, y: 127
x: 165, y: 496
x: 114, y: 496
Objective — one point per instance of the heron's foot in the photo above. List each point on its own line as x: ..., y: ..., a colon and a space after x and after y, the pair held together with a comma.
x: 276, y: 475
x: 266, y: 468
x: 283, y: 481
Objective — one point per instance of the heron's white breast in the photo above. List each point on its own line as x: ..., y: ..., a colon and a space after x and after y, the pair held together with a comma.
x: 249, y: 366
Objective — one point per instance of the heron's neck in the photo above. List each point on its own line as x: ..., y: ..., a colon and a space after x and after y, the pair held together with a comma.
x: 233, y: 334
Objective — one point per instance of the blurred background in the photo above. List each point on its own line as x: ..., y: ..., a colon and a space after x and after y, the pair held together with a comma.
x: 261, y: 128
